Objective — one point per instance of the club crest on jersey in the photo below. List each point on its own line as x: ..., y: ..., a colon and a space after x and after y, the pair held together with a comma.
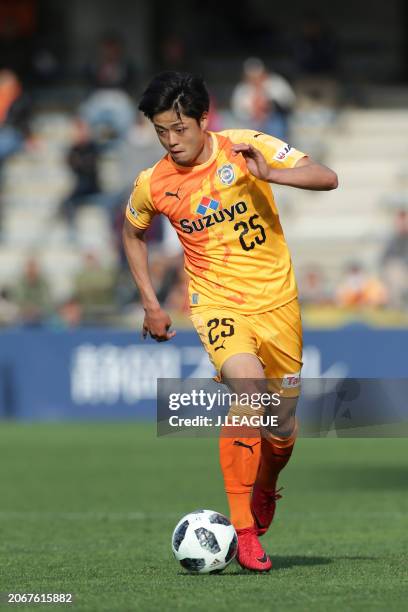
x: 226, y: 174
x: 206, y: 205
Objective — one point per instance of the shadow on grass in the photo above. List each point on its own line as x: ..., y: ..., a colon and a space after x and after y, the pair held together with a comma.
x: 281, y: 563
x: 278, y: 564
x: 287, y: 562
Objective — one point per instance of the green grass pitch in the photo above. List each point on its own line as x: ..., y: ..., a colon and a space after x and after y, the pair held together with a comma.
x: 89, y: 510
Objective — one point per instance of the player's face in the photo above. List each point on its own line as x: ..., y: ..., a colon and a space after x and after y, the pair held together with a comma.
x: 183, y: 137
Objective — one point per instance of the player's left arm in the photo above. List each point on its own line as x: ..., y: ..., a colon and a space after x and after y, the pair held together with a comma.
x: 306, y: 174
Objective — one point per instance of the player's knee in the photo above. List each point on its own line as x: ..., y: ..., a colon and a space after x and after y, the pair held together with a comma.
x: 284, y: 429
x: 285, y: 423
x: 247, y: 396
x: 244, y: 410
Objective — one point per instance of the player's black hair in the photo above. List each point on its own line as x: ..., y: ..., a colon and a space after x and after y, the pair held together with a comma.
x: 185, y: 93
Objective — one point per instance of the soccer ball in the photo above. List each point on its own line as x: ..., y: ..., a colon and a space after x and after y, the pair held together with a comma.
x: 204, y: 541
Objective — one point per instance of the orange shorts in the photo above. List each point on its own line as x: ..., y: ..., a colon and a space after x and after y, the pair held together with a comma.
x: 275, y: 337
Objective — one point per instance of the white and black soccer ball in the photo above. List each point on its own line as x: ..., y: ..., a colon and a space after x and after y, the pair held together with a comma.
x: 204, y: 541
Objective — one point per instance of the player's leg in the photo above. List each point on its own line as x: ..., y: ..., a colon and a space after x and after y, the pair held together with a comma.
x: 239, y: 458
x: 240, y: 447
x: 275, y: 454
x: 232, y: 347
x: 282, y: 353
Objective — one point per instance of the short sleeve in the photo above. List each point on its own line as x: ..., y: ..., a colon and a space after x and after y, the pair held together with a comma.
x: 277, y: 153
x: 140, y: 209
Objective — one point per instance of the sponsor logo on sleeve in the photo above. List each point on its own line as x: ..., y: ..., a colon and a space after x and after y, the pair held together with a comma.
x: 291, y: 381
x: 282, y: 154
x: 132, y: 211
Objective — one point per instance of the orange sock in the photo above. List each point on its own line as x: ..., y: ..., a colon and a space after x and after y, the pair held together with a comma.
x: 275, y: 454
x: 239, y: 458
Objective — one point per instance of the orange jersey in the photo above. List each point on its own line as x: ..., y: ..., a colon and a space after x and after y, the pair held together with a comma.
x: 227, y: 221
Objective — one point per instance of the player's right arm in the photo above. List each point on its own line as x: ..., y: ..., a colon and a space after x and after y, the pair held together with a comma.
x: 139, y: 213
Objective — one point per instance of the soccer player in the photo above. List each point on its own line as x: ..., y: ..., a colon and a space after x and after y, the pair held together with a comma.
x: 215, y: 190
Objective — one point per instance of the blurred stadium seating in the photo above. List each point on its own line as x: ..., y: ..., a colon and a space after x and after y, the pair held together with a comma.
x: 349, y: 246
x: 367, y: 147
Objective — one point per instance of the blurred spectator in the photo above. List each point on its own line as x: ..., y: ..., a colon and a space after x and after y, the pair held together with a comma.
x: 111, y: 69
x: 397, y: 247
x: 164, y: 269
x: 177, y: 299
x: 170, y: 244
x: 316, y: 50
x: 173, y: 53
x: 142, y: 133
x: 94, y: 287
x: 126, y: 293
x: 156, y: 234
x: 312, y: 288
x: 110, y: 113
x: 316, y: 56
x: 395, y: 262
x: 165, y: 260
x: 117, y: 228
x: 15, y: 111
x: 46, y: 66
x: 214, y: 117
x: 109, y: 108
x: 360, y: 289
x: 82, y: 159
x: 8, y: 308
x: 263, y: 100
x: 164, y: 272
x: 69, y: 314
x: 33, y: 295
x: 18, y: 25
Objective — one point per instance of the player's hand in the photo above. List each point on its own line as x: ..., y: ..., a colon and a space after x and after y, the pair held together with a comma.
x: 255, y: 161
x: 157, y: 323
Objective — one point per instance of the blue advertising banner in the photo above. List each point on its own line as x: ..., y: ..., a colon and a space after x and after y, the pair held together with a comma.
x: 106, y: 374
